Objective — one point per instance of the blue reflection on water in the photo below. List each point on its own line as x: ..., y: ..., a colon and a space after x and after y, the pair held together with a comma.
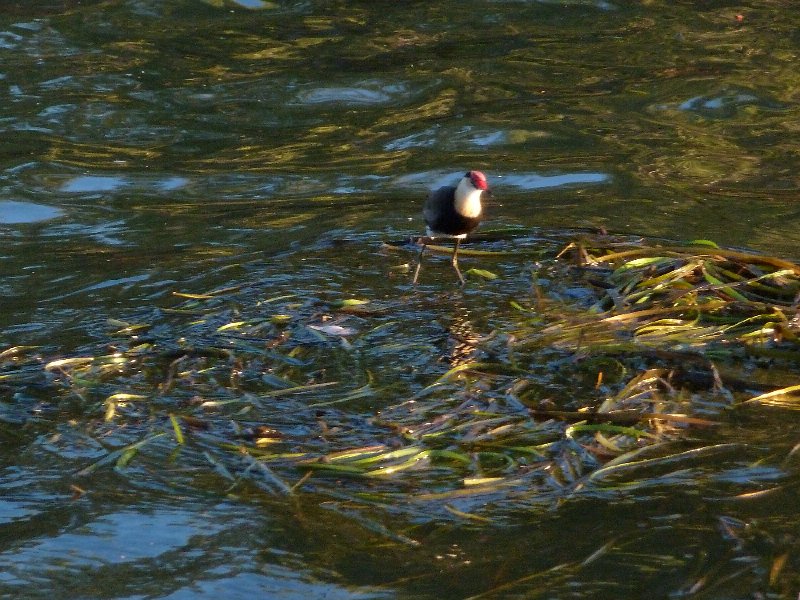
x: 279, y: 583
x: 173, y: 183
x: 117, y: 538
x: 165, y: 537
x: 524, y: 181
x: 13, y: 212
x: 719, y: 102
x: 93, y: 183
x: 255, y: 4
x: 345, y: 95
x: 124, y: 281
x: 531, y: 181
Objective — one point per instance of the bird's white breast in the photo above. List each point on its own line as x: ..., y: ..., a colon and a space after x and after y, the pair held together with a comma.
x: 468, y: 199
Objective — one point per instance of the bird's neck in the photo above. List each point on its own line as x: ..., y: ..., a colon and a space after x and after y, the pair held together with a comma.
x: 467, y: 200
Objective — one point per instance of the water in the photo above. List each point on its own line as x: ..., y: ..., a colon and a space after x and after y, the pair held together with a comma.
x: 149, y: 148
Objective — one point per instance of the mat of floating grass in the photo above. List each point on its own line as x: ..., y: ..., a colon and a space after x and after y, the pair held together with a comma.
x: 659, y: 329
x: 668, y: 314
x: 692, y: 296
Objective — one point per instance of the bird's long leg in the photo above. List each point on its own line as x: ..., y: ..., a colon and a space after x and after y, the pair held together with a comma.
x: 455, y: 262
x: 419, y: 260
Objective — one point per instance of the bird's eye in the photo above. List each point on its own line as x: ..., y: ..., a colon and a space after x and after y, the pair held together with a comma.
x: 467, y: 174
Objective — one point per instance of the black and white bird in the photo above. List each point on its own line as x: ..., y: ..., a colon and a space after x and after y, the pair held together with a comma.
x: 453, y: 212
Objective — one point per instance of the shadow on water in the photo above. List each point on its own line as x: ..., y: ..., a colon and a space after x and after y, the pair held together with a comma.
x: 196, y: 196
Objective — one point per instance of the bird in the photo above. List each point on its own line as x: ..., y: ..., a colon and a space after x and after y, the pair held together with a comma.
x: 453, y: 211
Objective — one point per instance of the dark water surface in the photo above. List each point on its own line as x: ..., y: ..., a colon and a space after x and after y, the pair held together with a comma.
x: 154, y: 147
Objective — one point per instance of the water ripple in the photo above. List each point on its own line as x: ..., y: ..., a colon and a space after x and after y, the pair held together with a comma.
x: 722, y: 105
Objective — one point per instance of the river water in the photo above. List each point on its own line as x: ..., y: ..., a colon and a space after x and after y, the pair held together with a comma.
x: 272, y: 147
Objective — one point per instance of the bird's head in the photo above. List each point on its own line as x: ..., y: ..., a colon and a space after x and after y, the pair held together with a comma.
x: 477, y: 179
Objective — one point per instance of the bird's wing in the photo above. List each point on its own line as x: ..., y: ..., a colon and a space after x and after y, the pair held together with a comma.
x: 436, y: 203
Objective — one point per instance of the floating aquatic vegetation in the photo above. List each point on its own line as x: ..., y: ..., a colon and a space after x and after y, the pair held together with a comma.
x: 612, y: 374
x: 682, y: 323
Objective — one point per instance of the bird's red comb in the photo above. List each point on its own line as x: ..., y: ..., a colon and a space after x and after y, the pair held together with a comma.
x: 479, y: 180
